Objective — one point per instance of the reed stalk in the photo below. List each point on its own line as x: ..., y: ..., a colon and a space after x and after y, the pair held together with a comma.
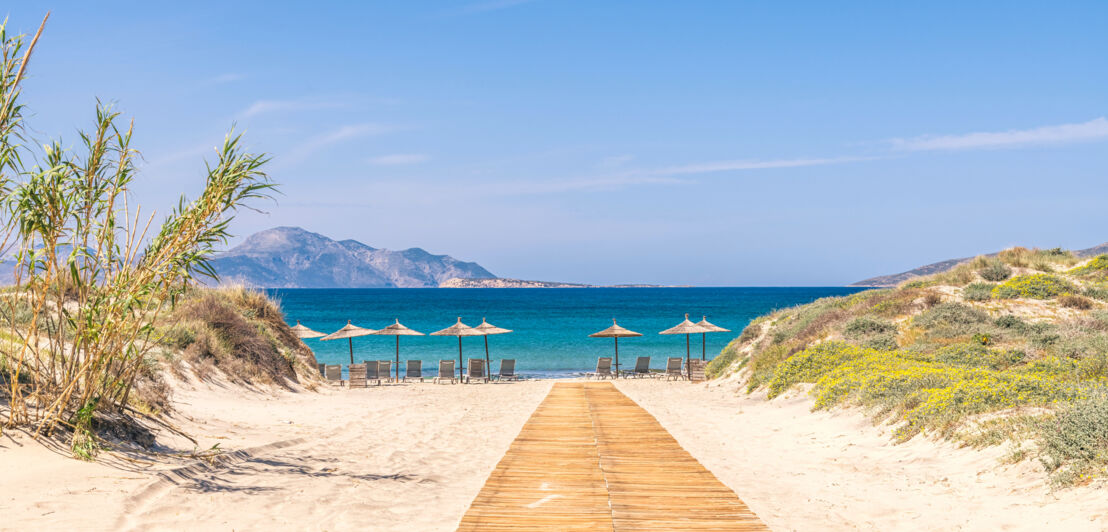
x: 92, y: 276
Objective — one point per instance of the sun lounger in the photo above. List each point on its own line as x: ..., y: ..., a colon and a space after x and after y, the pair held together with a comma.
x: 385, y: 369
x: 357, y: 375
x: 414, y: 371
x: 697, y: 370
x: 603, y: 368
x: 372, y: 374
x: 642, y: 368
x: 334, y: 374
x: 446, y: 372
x: 476, y: 370
x: 507, y: 370
x: 673, y: 368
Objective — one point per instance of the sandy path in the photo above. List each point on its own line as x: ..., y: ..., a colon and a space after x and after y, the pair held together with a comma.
x: 800, y: 470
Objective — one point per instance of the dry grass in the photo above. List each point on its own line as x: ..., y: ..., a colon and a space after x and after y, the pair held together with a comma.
x: 240, y: 332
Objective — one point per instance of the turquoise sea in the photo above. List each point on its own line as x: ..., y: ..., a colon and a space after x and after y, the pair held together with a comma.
x: 551, y: 327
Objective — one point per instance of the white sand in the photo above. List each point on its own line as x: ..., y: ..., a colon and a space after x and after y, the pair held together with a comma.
x: 412, y: 457
x: 407, y: 457
x: 803, y: 470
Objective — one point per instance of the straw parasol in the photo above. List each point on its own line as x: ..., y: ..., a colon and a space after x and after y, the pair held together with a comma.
x: 349, y: 331
x: 486, y: 329
x: 398, y: 330
x: 686, y: 328
x: 303, y: 332
x: 617, y: 332
x: 704, y: 336
x: 458, y: 329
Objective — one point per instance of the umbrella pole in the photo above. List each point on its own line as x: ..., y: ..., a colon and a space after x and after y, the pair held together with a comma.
x: 703, y: 346
x: 617, y: 357
x: 487, y: 362
x: 398, y: 358
x: 687, y: 368
x: 460, y: 374
x: 351, y: 340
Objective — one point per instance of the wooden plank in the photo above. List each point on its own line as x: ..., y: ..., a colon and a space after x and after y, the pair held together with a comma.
x: 589, y: 458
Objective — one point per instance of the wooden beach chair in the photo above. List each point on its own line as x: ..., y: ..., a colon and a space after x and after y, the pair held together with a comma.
x: 673, y: 369
x: 476, y: 370
x: 507, y: 370
x: 642, y: 368
x: 372, y: 374
x: 334, y: 374
x: 446, y: 372
x: 384, y: 367
x: 322, y: 369
x: 414, y: 371
x: 698, y: 370
x: 603, y: 368
x: 357, y: 376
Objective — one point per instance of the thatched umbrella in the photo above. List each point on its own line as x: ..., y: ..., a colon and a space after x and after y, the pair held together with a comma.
x: 303, y: 332
x: 486, y: 329
x: 458, y: 329
x: 686, y: 328
x: 704, y: 336
x: 617, y: 332
x: 398, y: 330
x: 349, y: 332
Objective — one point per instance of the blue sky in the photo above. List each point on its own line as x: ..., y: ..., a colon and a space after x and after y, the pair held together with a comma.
x: 706, y: 143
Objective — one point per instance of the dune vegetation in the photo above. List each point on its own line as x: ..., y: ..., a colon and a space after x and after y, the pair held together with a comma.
x: 1006, y: 349
x: 102, y: 292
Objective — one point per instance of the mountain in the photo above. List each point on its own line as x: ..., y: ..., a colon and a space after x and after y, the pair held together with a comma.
x: 291, y: 257
x: 937, y: 267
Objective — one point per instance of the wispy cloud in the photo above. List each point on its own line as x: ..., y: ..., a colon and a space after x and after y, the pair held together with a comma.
x: 224, y: 78
x: 524, y: 188
x: 312, y: 145
x: 723, y: 166
x: 615, y: 161
x: 398, y: 159
x: 494, y: 5
x: 262, y: 107
x: 657, y: 176
x: 1063, y: 133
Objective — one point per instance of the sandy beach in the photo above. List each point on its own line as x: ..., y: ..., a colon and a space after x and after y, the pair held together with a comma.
x: 412, y: 457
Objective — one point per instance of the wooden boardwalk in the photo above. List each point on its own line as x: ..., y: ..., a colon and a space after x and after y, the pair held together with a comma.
x: 589, y: 458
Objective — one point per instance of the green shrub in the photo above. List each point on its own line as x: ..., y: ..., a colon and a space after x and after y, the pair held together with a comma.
x: 750, y: 332
x: 995, y: 271
x: 1036, y: 285
x: 1097, y: 292
x: 1009, y: 321
x: 951, y: 319
x: 978, y: 291
x: 884, y: 342
x: 865, y: 326
x: 1075, y: 445
x: 721, y: 364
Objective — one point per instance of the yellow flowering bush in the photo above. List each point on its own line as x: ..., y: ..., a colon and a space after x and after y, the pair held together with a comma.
x: 1036, y: 286
x: 1098, y: 267
x: 924, y: 392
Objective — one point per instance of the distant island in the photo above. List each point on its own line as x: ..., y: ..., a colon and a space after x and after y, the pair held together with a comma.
x: 292, y: 257
x: 886, y: 281
x: 500, y: 282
